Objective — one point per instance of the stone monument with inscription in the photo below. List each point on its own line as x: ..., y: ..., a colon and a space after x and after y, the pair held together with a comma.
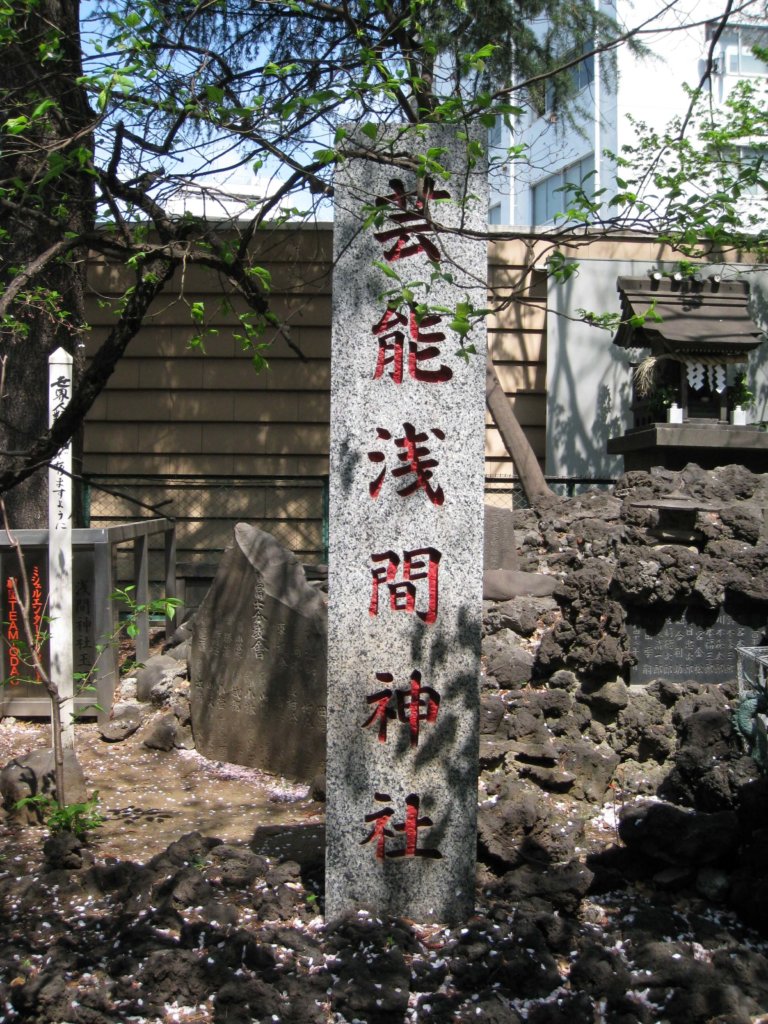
x: 691, y: 643
x: 258, y: 661
x: 406, y: 536
x: 499, y: 546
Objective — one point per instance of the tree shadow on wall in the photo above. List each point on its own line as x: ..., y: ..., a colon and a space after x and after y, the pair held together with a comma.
x: 758, y: 310
x: 583, y: 447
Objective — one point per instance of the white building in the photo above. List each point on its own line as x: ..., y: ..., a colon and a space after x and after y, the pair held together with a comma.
x: 613, y: 85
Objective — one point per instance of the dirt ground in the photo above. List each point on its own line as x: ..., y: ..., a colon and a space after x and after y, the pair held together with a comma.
x: 150, y: 798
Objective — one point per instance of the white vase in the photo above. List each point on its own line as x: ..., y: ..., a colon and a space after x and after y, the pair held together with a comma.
x: 674, y: 413
x: 739, y: 416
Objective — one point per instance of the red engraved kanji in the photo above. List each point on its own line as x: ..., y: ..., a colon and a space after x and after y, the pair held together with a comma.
x: 420, y: 564
x: 391, y: 331
x: 383, y: 710
x: 410, y: 827
x: 381, y: 832
x: 408, y: 211
x: 416, y: 463
x: 410, y: 706
x: 417, y: 704
x: 380, y: 820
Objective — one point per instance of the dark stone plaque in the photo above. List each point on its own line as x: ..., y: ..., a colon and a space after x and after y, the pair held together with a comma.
x: 689, y: 644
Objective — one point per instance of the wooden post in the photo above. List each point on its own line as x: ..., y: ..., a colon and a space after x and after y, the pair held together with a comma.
x: 60, y: 551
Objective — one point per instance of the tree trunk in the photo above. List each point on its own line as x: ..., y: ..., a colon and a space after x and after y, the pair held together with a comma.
x: 48, y: 193
x: 517, y: 444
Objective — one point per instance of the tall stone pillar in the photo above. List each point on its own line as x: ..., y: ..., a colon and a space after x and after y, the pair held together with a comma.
x: 406, y: 535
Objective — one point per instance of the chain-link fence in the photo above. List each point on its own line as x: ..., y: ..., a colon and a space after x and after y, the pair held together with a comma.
x: 506, y: 492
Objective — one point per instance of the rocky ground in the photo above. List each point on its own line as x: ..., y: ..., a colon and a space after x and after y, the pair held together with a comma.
x: 207, y: 930
x: 622, y: 829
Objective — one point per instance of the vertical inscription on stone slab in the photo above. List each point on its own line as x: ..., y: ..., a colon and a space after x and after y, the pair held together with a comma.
x: 83, y: 640
x: 257, y: 630
x: 499, y: 549
x: 257, y: 664
x: 406, y: 543
x: 60, y: 549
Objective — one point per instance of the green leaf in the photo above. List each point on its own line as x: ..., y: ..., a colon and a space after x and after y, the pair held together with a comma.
x: 561, y: 268
x: 41, y: 108
x: 263, y: 275
x: 16, y: 125
x: 386, y: 270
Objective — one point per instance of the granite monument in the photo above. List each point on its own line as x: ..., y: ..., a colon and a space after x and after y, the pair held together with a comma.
x: 406, y: 536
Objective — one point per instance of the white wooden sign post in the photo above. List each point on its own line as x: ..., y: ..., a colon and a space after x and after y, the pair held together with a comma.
x: 60, y: 549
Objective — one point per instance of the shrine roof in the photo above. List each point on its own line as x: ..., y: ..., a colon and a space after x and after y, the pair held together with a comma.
x: 698, y: 317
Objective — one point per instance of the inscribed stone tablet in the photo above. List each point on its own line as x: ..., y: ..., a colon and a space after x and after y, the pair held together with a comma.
x: 499, y: 547
x: 687, y: 645
x: 258, y: 661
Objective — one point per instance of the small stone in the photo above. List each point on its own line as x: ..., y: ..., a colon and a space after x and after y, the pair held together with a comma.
x: 563, y: 680
x: 504, y: 584
x: 551, y: 779
x: 64, y: 850
x: 128, y: 688
x: 180, y: 653
x: 125, y: 720
x: 152, y: 672
x: 713, y: 884
x: 607, y: 699
x: 34, y: 774
x: 532, y: 751
x: 161, y: 733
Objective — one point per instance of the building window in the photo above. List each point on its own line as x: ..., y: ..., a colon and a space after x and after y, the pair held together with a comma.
x: 736, y: 45
x: 551, y: 197
x: 494, y: 214
x: 751, y: 171
x: 496, y: 134
x: 584, y: 72
x: 569, y: 83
